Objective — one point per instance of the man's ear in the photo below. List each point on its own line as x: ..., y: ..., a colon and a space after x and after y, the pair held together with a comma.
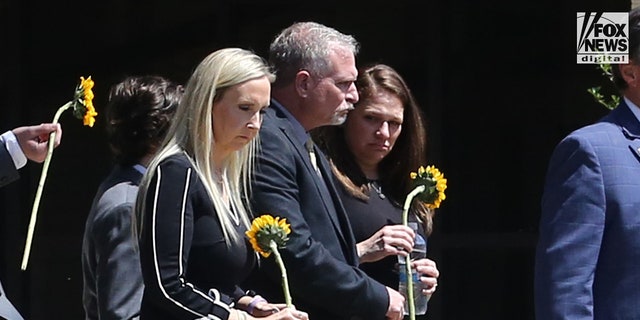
x: 630, y: 74
x: 303, y: 83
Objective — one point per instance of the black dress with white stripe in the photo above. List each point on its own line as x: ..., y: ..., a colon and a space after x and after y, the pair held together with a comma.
x: 189, y: 271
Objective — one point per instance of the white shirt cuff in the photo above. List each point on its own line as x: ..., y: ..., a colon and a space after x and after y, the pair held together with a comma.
x: 12, y: 145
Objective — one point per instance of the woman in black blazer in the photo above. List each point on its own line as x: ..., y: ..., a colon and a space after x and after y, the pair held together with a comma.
x: 190, y: 208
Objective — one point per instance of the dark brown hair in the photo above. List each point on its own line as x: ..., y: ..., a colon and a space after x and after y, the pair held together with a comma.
x: 138, y: 115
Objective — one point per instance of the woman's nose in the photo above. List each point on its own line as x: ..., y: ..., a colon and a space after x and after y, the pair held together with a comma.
x: 255, y: 121
x: 383, y: 131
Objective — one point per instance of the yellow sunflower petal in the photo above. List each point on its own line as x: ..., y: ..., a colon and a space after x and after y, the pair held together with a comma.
x: 87, y: 84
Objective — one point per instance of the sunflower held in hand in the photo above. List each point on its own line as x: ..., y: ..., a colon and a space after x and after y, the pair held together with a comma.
x: 266, y: 235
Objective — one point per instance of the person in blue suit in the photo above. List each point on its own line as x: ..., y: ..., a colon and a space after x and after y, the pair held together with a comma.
x: 587, y: 263
x: 16, y: 147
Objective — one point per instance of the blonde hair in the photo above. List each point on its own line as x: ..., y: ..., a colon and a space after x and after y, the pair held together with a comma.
x: 191, y: 132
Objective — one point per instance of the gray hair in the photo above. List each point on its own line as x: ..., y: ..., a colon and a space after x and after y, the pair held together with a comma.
x: 306, y: 46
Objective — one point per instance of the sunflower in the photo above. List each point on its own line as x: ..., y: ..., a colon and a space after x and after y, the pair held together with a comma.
x: 434, y: 183
x: 266, y: 235
x: 82, y: 104
x: 265, y: 229
x: 428, y: 186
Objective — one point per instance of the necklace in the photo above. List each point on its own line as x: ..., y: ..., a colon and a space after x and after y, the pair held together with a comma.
x: 377, y: 188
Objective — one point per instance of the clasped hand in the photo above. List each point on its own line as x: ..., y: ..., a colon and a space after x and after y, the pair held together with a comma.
x: 389, y: 240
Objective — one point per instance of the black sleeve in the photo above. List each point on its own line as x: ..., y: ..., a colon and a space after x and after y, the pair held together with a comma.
x: 8, y: 171
x: 166, y: 240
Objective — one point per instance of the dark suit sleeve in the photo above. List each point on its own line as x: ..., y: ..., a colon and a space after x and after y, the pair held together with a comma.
x: 283, y: 188
x: 8, y: 170
x: 571, y: 231
x: 119, y: 285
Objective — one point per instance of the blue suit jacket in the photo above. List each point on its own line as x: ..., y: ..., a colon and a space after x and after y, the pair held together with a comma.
x: 320, y: 256
x: 588, y: 254
x: 8, y: 173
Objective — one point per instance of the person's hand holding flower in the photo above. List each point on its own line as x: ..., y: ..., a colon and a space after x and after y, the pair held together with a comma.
x: 34, y: 140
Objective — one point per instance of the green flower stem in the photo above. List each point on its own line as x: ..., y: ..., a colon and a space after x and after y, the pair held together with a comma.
x: 407, y: 203
x: 283, y: 271
x: 405, y: 221
x: 43, y: 177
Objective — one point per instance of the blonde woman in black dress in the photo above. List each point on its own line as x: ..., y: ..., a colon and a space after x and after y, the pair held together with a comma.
x: 190, y: 208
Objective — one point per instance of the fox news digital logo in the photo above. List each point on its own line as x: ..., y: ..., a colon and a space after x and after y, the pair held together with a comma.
x: 603, y: 37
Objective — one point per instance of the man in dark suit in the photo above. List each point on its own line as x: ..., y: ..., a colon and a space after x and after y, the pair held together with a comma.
x: 138, y: 115
x: 588, y: 254
x: 16, y: 146
x: 316, y: 71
